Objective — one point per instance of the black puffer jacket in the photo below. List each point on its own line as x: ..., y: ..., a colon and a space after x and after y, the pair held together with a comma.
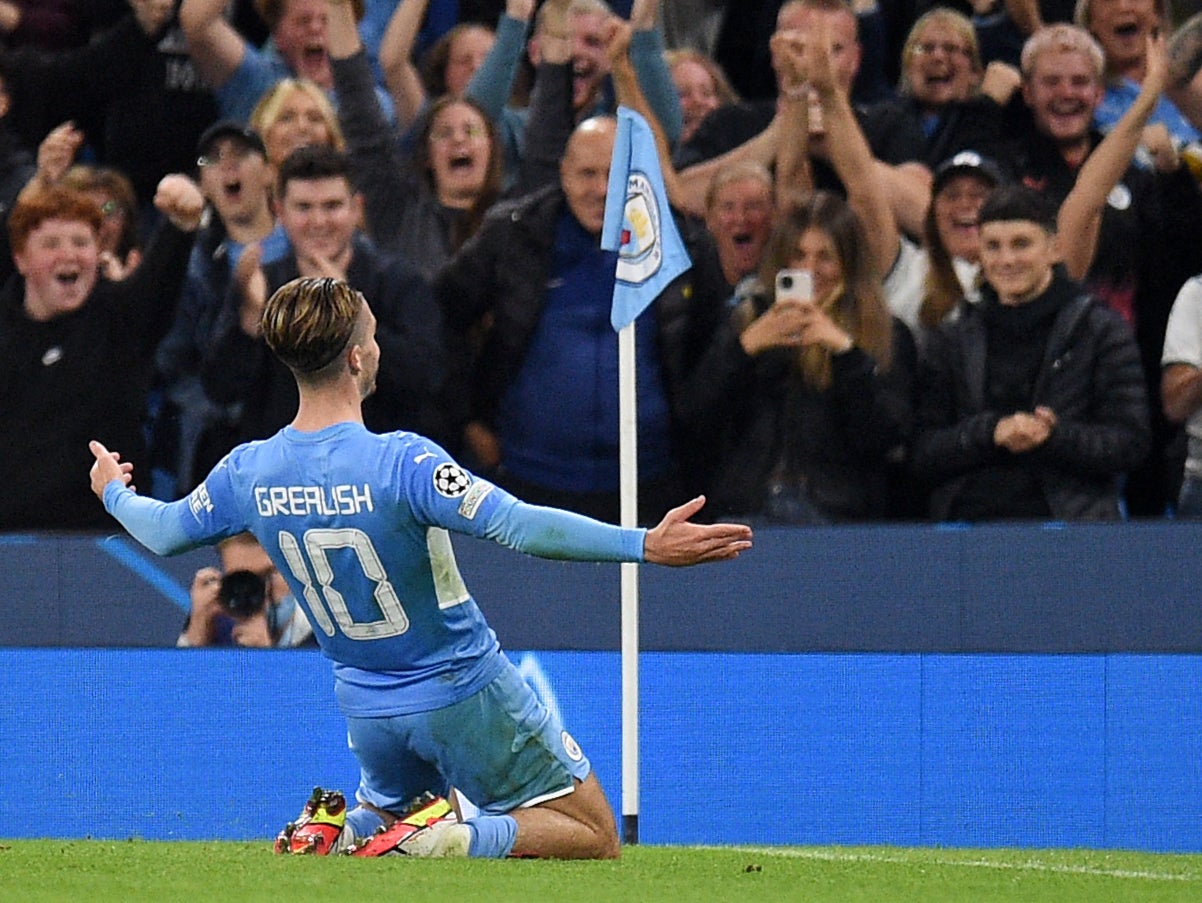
x: 1090, y: 377
x: 834, y: 447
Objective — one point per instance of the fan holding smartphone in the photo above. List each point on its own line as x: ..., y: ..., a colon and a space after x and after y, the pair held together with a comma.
x: 813, y: 400
x: 794, y: 320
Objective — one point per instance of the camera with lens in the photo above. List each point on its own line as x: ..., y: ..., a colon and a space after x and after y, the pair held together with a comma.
x: 243, y: 593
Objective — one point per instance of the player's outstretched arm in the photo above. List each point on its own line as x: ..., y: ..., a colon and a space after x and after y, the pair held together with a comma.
x: 155, y: 524
x: 676, y: 541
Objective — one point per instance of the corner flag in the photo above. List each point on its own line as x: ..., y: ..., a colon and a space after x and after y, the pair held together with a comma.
x: 638, y: 222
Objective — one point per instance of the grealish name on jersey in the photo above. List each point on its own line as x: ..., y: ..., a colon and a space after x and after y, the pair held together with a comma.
x: 302, y: 501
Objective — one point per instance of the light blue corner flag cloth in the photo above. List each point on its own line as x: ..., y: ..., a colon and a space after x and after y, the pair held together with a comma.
x: 638, y: 222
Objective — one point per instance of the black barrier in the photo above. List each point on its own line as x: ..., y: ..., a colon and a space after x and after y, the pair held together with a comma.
x: 992, y: 588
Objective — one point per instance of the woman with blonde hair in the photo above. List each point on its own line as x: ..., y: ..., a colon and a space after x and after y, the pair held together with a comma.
x: 701, y: 85
x: 294, y: 113
x: 957, y: 102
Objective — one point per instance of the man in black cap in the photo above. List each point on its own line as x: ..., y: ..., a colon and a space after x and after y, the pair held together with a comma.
x: 192, y: 431
x: 926, y: 283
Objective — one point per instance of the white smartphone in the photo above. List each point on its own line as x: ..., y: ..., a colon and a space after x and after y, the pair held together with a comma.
x: 794, y: 285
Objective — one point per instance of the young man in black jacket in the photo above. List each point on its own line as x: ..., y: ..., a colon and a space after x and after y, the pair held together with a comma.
x: 1032, y: 403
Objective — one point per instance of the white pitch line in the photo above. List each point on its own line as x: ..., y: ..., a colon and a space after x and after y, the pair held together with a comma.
x: 1028, y: 866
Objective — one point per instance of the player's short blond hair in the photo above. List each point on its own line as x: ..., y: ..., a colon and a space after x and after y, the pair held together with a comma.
x: 308, y: 323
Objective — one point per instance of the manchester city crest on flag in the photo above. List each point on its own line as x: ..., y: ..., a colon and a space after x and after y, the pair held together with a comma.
x: 638, y: 222
x: 640, y: 254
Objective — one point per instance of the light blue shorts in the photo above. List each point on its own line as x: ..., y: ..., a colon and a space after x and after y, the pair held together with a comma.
x: 501, y: 748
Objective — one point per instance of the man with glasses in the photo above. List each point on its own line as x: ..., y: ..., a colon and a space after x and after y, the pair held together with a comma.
x: 956, y: 102
x: 191, y: 431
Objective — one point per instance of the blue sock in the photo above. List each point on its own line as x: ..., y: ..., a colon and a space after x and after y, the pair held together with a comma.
x: 492, y: 836
x: 363, y: 822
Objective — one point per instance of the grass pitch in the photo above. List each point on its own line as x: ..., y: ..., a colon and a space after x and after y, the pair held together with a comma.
x: 101, y: 871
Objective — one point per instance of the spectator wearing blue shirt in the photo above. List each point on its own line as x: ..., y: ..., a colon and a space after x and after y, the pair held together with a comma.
x: 541, y: 391
x: 1122, y: 30
x: 240, y: 73
x: 191, y: 431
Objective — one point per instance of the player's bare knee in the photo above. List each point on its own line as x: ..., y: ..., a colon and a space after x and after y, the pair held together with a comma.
x: 608, y: 846
x: 593, y: 810
x: 603, y: 842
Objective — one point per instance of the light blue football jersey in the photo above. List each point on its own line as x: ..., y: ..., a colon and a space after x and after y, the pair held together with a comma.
x: 358, y: 525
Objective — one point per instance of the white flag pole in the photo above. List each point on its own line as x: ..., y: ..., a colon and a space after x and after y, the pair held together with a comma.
x: 629, y: 467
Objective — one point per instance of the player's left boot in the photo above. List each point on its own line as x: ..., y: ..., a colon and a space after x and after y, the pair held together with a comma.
x: 321, y: 828
x: 422, y: 814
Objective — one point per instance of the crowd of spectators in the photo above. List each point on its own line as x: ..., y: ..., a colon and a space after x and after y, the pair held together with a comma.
x: 166, y: 164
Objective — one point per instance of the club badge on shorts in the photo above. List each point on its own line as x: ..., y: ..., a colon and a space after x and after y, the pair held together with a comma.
x: 571, y: 747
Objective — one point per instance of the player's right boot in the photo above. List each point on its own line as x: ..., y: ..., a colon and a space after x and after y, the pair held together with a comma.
x: 321, y: 828
x: 444, y: 837
x: 429, y: 828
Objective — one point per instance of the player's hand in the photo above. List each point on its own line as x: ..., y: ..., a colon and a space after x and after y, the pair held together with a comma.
x: 676, y: 541
x: 108, y: 467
